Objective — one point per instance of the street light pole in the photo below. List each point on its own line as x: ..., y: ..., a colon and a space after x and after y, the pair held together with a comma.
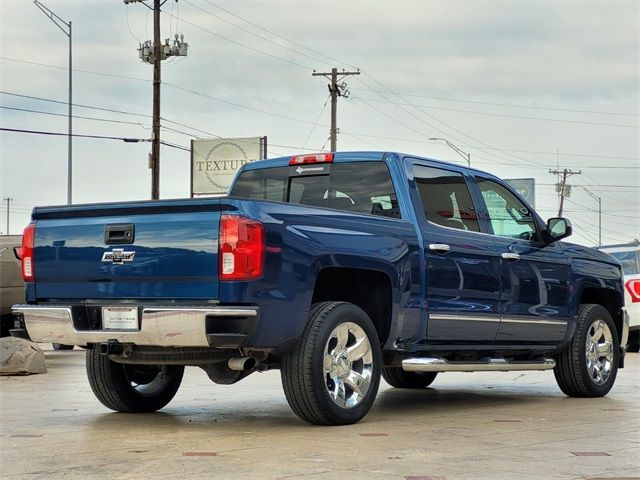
x: 592, y: 195
x: 459, y: 151
x: 66, y: 29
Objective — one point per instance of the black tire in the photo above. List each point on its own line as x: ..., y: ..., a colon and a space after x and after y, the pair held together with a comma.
x: 132, y: 388
x: 633, y: 345
x: 572, y: 371
x: 397, y: 377
x: 307, y: 379
x: 61, y: 346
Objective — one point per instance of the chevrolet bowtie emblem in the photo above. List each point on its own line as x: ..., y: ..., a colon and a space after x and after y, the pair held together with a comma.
x: 118, y: 256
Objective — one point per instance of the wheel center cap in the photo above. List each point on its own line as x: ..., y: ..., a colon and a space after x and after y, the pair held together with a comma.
x: 342, y: 365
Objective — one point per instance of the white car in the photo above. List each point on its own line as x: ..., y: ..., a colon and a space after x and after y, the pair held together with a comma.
x: 628, y: 254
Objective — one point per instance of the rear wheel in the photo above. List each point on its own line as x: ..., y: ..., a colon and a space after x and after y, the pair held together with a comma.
x: 397, y: 377
x: 589, y: 365
x: 132, y: 388
x: 332, y: 377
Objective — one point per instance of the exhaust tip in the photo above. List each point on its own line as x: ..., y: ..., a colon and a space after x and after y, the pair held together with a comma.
x: 242, y: 363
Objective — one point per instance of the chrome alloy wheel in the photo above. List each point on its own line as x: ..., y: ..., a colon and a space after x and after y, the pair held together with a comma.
x: 599, y: 352
x: 348, y: 365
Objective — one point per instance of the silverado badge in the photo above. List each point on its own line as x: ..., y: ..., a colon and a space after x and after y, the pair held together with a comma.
x: 118, y: 256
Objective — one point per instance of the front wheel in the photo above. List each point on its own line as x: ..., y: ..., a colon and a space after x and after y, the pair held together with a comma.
x: 589, y: 365
x: 132, y: 388
x: 332, y: 377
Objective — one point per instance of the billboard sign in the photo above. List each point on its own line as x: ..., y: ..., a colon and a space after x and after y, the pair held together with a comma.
x: 215, y: 162
x: 525, y: 187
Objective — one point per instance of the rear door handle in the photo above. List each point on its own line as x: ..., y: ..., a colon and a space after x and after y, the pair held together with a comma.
x: 439, y: 247
x: 510, y: 256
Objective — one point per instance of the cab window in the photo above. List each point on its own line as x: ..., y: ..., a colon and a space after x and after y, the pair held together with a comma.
x: 509, y: 217
x: 358, y: 187
x: 445, y: 198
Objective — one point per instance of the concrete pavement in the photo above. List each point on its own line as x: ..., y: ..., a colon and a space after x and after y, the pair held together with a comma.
x: 466, y: 426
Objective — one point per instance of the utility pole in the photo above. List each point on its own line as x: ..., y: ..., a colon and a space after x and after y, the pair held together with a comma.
x: 336, y: 90
x: 154, y: 52
x: 66, y: 29
x: 599, y: 199
x: 155, y: 134
x: 8, y: 199
x: 562, y: 188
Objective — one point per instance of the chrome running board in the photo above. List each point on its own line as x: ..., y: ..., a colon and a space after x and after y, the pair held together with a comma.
x: 439, y: 364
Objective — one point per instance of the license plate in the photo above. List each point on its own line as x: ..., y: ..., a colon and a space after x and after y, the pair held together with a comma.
x: 120, y: 318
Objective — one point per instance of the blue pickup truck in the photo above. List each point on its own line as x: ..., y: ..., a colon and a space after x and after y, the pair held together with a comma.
x: 335, y: 269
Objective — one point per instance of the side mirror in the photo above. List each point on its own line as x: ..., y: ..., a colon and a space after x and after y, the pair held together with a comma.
x: 557, y: 229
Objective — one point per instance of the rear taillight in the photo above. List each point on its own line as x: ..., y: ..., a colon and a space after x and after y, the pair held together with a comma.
x: 242, y: 248
x: 314, y: 158
x: 26, y: 253
x: 633, y: 287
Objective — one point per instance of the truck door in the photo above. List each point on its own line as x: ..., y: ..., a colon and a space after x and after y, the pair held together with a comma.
x: 462, y: 265
x: 534, y: 277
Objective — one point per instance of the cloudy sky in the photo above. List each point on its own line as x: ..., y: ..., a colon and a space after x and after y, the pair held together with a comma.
x: 523, y: 86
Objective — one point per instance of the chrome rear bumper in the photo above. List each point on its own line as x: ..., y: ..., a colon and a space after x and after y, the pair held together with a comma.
x: 161, y: 327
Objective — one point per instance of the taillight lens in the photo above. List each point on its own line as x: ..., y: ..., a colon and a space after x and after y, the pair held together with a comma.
x: 314, y: 158
x: 633, y: 287
x: 26, y: 253
x: 242, y: 248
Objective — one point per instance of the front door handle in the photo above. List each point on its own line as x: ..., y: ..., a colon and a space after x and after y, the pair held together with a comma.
x: 510, y: 256
x: 439, y: 247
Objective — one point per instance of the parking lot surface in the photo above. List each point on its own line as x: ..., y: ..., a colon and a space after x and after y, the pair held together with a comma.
x: 466, y: 426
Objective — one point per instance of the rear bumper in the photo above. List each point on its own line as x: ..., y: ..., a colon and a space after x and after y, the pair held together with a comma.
x: 216, y: 326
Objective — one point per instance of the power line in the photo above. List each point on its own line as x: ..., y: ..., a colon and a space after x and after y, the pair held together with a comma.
x: 103, y: 137
x: 437, y: 120
x: 88, y: 72
x: 490, y: 114
x: 31, y: 97
x: 245, y: 107
x: 596, y: 184
x: 240, y: 44
x: 607, y: 230
x: 5, y: 107
x: 173, y: 145
x: 261, y: 37
x: 353, y: 134
x: 356, y: 135
x: 316, y: 122
x: 359, y: 136
x: 270, y: 32
x: 514, y: 105
x: 467, y: 145
x: 165, y: 119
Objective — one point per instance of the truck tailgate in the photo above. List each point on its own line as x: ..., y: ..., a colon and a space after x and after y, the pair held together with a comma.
x: 83, y: 252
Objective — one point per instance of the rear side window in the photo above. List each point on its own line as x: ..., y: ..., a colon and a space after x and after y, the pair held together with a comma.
x: 445, y: 198
x: 360, y: 187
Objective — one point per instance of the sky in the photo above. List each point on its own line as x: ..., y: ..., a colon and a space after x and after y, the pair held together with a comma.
x: 522, y: 86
